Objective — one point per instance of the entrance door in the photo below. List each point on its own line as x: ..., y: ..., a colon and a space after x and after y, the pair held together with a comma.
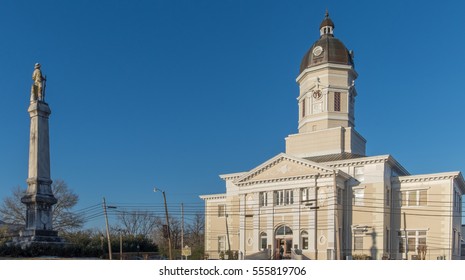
x: 283, y: 248
x: 283, y: 236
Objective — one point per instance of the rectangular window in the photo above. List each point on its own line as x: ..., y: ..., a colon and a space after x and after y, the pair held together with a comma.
x: 263, y: 241
x: 289, y: 197
x: 358, y: 243
x: 284, y: 197
x: 458, y: 246
x: 416, y: 239
x: 221, y: 210
x: 411, y: 241
x: 388, y: 197
x: 263, y: 198
x: 221, y: 243
x: 401, y: 245
x: 414, y: 198
x: 305, y: 243
x: 337, y: 101
x: 339, y: 196
x: 457, y: 202
x: 388, y: 240
x: 422, y: 198
x: 305, y: 195
x: 279, y: 197
x: 398, y: 199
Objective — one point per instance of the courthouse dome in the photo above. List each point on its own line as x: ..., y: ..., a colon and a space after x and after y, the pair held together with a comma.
x: 327, y: 49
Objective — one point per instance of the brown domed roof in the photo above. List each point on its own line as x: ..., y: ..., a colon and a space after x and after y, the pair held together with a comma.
x: 333, y: 51
x: 327, y: 21
x: 327, y: 49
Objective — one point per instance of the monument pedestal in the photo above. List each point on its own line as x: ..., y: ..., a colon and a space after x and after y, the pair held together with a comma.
x: 30, y: 237
x: 39, y: 197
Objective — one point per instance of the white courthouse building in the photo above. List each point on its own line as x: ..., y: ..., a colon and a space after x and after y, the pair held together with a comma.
x: 324, y: 198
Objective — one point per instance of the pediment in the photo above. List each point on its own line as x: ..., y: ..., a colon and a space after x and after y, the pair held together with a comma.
x: 284, y: 167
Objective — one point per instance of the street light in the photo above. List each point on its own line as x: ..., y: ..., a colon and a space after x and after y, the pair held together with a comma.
x: 167, y: 220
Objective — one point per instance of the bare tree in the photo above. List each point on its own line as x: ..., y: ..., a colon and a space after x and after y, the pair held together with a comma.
x: 196, y: 235
x: 175, y: 232
x: 195, y: 230
x: 137, y: 222
x: 12, y: 211
x: 63, y: 218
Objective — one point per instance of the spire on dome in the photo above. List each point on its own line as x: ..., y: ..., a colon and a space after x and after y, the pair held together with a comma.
x: 327, y: 25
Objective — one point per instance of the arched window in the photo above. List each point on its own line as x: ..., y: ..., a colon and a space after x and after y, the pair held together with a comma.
x: 263, y: 241
x: 304, y: 238
x: 284, y: 230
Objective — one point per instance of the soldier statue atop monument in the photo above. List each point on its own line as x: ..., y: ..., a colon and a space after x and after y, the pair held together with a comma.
x: 38, y: 86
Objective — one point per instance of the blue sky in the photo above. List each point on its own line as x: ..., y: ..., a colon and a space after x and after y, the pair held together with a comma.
x: 173, y: 93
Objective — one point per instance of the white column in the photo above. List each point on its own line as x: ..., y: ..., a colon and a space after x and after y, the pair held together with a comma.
x: 242, y: 224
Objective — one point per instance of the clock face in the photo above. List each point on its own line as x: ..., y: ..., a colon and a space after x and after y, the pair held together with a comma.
x: 317, y: 51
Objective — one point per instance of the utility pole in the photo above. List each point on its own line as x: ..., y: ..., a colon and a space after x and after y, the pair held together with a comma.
x: 227, y: 231
x: 168, y: 225
x: 108, y: 230
x: 167, y: 221
x: 182, y: 230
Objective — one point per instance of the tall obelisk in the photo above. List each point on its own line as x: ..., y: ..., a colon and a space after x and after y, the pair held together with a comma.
x: 39, y: 197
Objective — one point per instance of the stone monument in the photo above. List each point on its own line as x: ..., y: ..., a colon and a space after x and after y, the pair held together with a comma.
x: 39, y: 198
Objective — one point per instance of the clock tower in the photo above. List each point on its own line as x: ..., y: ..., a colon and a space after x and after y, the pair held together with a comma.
x: 326, y: 101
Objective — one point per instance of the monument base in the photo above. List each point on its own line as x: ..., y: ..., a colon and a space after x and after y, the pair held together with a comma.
x: 31, y: 237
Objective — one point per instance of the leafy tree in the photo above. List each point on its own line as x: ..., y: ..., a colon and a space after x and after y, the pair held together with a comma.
x: 93, y: 243
x: 13, y: 211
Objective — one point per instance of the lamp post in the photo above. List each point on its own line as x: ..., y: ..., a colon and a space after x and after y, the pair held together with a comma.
x: 167, y: 221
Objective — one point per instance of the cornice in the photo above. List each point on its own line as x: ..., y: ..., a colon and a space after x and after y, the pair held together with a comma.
x: 358, y: 161
x: 274, y: 161
x: 428, y: 177
x: 368, y: 160
x: 213, y: 196
x: 232, y: 176
x: 327, y: 66
x: 284, y: 179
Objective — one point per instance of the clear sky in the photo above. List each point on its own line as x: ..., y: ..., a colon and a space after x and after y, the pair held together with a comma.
x: 173, y: 93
